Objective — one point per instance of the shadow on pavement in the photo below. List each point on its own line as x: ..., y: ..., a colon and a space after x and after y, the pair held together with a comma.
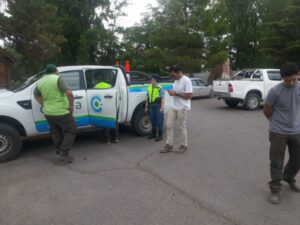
x: 43, y: 144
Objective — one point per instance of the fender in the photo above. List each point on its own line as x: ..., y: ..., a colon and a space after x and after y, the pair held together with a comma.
x: 16, y: 115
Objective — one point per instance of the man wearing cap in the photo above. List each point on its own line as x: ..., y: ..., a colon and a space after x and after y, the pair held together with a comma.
x: 282, y: 109
x: 56, y: 97
x: 155, y: 104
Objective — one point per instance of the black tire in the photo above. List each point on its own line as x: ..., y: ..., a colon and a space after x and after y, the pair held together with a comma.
x: 232, y: 102
x: 252, y: 101
x: 10, y: 143
x: 141, y: 123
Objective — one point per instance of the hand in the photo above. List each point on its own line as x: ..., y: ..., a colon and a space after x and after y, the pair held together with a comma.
x: 71, y: 108
x: 146, y: 110
x: 171, y: 92
x: 161, y: 110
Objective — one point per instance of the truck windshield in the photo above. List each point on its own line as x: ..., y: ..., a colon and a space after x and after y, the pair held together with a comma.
x: 21, y: 86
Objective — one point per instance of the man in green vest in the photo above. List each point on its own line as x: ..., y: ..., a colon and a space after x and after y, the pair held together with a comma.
x: 155, y: 104
x: 102, y: 85
x: 57, y: 100
x: 101, y: 82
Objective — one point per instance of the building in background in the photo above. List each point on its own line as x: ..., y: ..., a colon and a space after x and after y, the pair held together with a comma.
x: 221, y: 71
x: 6, y: 62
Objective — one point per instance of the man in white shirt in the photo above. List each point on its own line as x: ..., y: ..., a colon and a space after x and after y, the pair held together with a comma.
x: 182, y: 93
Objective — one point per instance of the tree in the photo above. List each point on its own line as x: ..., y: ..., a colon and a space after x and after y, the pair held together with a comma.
x: 35, y: 35
x: 219, y: 43
x: 91, y: 30
x: 171, y: 33
x: 282, y: 40
x: 244, y: 19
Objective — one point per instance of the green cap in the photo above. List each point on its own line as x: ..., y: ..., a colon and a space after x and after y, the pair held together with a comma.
x: 50, y: 68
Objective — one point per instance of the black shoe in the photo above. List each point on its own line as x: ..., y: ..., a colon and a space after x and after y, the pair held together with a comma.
x: 159, y: 138
x: 153, y: 134
x: 116, y: 141
x: 65, y: 158
x: 294, y: 187
x: 274, y: 198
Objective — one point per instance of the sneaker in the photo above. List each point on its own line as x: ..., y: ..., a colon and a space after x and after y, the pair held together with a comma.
x: 65, y: 158
x: 274, y: 198
x: 294, y: 187
x: 152, y: 135
x: 181, y: 149
x: 116, y: 141
x: 167, y: 148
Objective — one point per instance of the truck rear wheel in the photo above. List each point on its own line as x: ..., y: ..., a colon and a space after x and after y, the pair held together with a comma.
x: 10, y: 142
x: 232, y: 102
x: 252, y: 101
x: 141, y: 123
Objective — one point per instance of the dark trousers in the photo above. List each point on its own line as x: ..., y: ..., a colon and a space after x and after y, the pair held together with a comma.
x: 156, y: 116
x: 63, y: 132
x: 279, y: 142
x: 114, y: 135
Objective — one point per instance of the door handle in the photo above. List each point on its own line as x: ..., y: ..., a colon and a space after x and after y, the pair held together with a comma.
x: 108, y: 96
x: 78, y: 97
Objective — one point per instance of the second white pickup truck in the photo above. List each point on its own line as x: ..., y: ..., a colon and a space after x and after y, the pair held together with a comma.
x: 248, y: 87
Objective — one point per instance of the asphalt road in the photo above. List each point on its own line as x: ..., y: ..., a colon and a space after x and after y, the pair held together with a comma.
x: 222, y: 179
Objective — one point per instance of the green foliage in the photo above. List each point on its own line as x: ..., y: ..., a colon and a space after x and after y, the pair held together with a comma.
x: 198, y: 34
x: 91, y: 31
x: 32, y: 29
x: 282, y: 43
x: 65, y: 32
x: 171, y: 34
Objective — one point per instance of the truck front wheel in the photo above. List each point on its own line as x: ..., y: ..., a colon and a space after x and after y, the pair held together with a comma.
x: 10, y: 142
x: 232, y: 102
x: 141, y: 123
x: 252, y: 101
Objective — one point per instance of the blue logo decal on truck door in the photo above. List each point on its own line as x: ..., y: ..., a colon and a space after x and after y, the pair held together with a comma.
x: 96, y: 104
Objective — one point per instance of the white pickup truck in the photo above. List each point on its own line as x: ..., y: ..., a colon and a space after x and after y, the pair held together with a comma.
x: 248, y: 87
x: 21, y: 115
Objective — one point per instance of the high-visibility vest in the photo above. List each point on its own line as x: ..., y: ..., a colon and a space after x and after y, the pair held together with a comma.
x: 102, y: 85
x: 153, y: 94
x: 55, y: 102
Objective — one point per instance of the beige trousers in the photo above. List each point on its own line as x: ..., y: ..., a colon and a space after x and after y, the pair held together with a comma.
x: 181, y: 116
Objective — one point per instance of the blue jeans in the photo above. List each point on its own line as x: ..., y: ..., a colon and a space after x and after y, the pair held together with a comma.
x: 156, y: 116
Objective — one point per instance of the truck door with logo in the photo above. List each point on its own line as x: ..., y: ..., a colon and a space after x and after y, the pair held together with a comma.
x: 102, y: 96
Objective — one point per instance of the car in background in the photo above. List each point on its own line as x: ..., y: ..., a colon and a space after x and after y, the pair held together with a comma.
x: 201, y: 88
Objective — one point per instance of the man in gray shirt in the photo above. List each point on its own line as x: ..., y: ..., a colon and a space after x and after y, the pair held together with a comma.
x: 282, y: 108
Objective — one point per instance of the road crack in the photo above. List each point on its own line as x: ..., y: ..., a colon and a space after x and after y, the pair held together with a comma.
x: 194, y: 200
